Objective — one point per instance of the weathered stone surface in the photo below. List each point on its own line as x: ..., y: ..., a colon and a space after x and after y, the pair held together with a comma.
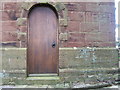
x: 9, y: 36
x: 88, y: 58
x: 74, y: 65
x: 11, y: 5
x: 63, y: 36
x: 73, y: 26
x: 87, y: 18
x: 13, y: 59
x: 63, y: 22
x: 22, y: 36
x: 92, y: 7
x: 69, y: 58
x: 9, y: 26
x: 60, y: 6
x: 76, y: 37
x: 11, y: 15
x: 21, y: 21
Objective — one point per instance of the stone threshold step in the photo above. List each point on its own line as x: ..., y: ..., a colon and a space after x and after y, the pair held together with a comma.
x: 42, y: 75
x: 44, y: 78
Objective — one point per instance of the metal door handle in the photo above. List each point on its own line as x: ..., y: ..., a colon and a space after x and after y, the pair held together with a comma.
x: 53, y: 44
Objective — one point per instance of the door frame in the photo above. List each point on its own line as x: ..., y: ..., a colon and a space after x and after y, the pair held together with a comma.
x: 57, y: 16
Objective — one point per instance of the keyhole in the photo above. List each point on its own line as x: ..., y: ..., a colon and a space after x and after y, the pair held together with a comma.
x: 53, y: 45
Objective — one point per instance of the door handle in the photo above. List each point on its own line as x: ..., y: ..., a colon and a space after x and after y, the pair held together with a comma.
x: 53, y: 44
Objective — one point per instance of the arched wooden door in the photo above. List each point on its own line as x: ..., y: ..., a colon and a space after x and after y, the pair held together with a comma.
x: 42, y: 52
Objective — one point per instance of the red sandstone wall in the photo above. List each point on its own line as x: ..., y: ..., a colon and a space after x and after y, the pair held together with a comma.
x: 89, y: 24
